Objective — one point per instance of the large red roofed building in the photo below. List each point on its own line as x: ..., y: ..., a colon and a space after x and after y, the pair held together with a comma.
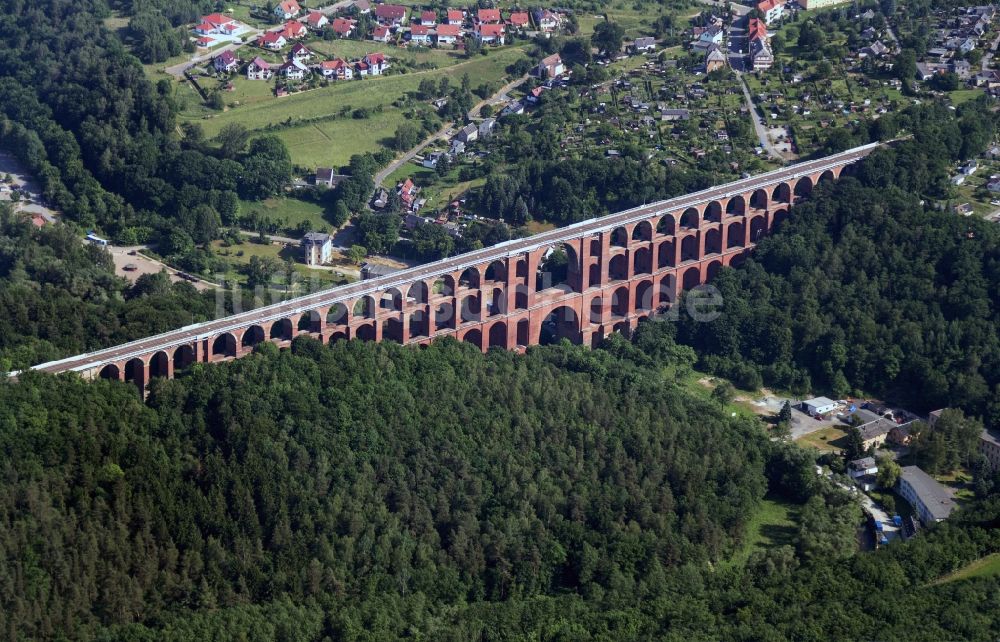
x: 294, y: 29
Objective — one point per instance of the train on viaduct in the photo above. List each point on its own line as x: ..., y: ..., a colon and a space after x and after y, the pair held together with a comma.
x: 579, y: 282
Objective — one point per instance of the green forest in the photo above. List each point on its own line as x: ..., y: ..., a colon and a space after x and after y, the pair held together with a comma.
x: 371, y: 491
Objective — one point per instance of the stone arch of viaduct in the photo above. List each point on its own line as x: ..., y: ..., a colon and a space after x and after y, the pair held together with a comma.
x: 581, y: 282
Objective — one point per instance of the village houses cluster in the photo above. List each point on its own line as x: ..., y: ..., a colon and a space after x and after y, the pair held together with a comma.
x: 956, y: 37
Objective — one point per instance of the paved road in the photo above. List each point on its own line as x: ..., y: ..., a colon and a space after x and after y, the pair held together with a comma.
x: 499, y: 97
x: 404, y: 278
x: 179, y: 69
x: 444, y: 132
x: 331, y: 9
x: 758, y: 123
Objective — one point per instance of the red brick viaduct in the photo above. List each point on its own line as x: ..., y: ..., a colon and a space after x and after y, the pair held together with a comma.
x: 618, y: 270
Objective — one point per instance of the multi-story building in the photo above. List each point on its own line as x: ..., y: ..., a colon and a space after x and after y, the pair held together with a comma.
x: 931, y: 501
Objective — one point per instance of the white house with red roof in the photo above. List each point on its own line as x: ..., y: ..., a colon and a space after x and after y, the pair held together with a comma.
x: 381, y: 34
x: 216, y: 23
x: 772, y: 10
x: 226, y: 62
x: 294, y: 29
x: 287, y: 9
x: 519, y: 19
x: 300, y: 52
x: 272, y: 40
x: 420, y: 35
x: 486, y: 16
x: 259, y: 69
x: 317, y: 20
x: 336, y: 69
x: 390, y: 14
x: 456, y: 17
x: 376, y: 63
x: 448, y: 34
x: 343, y: 27
x: 548, y: 20
x: 550, y: 67
x: 428, y: 18
x: 490, y: 34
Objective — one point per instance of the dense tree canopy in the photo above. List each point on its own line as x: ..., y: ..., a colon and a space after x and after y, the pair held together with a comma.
x: 370, y: 491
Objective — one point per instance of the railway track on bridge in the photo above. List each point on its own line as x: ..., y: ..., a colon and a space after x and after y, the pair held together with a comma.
x: 347, y: 294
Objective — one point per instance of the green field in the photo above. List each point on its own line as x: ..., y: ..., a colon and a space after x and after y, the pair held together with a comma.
x: 290, y: 211
x: 355, y: 49
x: 985, y: 567
x: 830, y: 439
x: 333, y: 140
x: 773, y: 525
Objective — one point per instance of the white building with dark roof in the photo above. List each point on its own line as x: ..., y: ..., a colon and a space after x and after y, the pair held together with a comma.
x: 932, y: 501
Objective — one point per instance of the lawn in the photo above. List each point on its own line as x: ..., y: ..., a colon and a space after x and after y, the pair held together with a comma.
x: 773, y: 525
x: 238, y: 256
x: 332, y: 140
x: 289, y: 211
x: 984, y: 567
x: 354, y: 49
x: 829, y: 439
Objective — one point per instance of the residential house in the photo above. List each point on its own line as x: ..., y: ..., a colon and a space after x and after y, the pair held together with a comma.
x: 317, y: 20
x: 875, y: 433
x: 550, y: 67
x: 294, y: 70
x: 390, y: 14
x: 970, y: 168
x: 300, y: 52
x: 773, y: 10
x: 431, y: 160
x: 317, y: 248
x: 644, y: 43
x: 448, y: 34
x: 486, y: 127
x: 756, y: 30
x: 989, y: 447
x: 272, y: 40
x: 287, y: 9
x: 364, y: 7
x: 468, y: 133
x: 548, y: 20
x: 376, y: 63
x: 343, y: 27
x: 714, y: 60
x: 259, y: 69
x: 420, y: 35
x: 205, y: 41
x: 535, y: 95
x: 519, y: 20
x: 456, y: 17
x: 967, y: 45
x: 713, y: 35
x: 457, y: 147
x: 216, y: 24
x: 226, y: 62
x: 490, y: 34
x: 336, y: 69
x: 325, y: 176
x: 862, y: 467
x: 381, y: 34
x: 761, y: 55
x: 428, y: 18
x: 931, y: 501
x: 874, y: 50
x: 407, y: 192
x: 962, y: 68
x: 294, y: 29
x: 488, y: 16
